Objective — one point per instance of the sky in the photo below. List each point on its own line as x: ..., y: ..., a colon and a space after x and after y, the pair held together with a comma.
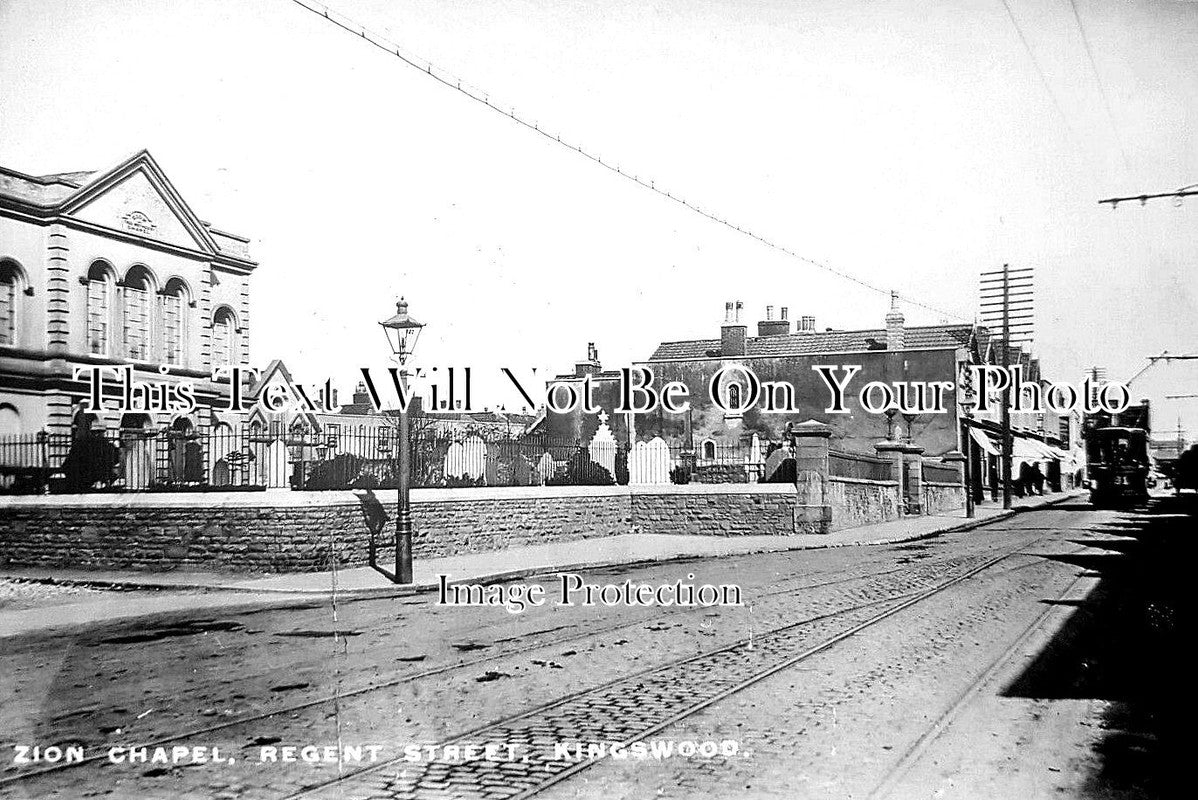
x: 910, y: 144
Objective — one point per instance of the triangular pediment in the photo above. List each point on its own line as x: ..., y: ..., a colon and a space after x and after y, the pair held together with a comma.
x: 137, y: 199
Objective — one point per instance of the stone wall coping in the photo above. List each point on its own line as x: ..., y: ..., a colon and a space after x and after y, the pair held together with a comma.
x: 927, y: 482
x: 270, y: 498
x: 845, y: 479
x: 711, y: 488
x: 287, y: 498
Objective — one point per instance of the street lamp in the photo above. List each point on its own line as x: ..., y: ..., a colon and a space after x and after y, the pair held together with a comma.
x: 402, y: 332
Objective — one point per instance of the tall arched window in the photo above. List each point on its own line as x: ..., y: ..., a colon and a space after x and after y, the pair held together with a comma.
x: 101, y: 287
x: 225, y: 345
x: 138, y: 316
x: 734, y: 397
x: 12, y: 288
x: 10, y: 420
x: 175, y: 299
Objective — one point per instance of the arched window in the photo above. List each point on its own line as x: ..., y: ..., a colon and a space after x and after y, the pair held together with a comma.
x: 101, y: 283
x: 138, y: 317
x: 709, y: 450
x: 734, y: 397
x: 225, y: 345
x: 10, y: 420
x: 12, y: 288
x: 175, y: 298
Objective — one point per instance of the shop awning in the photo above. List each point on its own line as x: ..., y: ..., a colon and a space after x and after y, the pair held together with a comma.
x: 984, y: 441
x: 1027, y: 451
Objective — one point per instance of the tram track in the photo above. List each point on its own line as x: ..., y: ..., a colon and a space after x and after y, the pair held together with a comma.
x: 551, y: 774
x: 912, y: 754
x: 334, y: 698
x: 904, y: 600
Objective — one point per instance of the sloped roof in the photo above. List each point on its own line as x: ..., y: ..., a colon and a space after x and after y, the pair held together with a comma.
x: 797, y: 344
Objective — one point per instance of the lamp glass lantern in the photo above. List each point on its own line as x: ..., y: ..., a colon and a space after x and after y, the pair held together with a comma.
x: 402, y: 331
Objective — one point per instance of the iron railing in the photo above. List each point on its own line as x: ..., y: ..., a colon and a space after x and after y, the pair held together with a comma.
x: 255, y: 458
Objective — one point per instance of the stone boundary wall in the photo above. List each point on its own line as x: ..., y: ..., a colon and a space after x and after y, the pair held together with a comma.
x: 716, y: 509
x: 939, y: 498
x: 855, y: 502
x: 287, y: 531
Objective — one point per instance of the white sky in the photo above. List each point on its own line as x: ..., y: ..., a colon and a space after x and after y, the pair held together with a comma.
x: 911, y: 143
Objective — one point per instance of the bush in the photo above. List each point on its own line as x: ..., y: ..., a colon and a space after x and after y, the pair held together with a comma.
x: 680, y: 475
x: 582, y: 471
x: 92, y: 459
x: 337, y: 472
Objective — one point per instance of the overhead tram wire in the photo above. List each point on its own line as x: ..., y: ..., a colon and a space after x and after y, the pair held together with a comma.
x: 479, y: 95
x: 1106, y: 102
x: 1039, y: 71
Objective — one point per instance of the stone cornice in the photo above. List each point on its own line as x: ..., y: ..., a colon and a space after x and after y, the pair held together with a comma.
x: 38, y: 215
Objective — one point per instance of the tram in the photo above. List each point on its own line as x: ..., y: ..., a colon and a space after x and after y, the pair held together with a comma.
x: 1117, y: 465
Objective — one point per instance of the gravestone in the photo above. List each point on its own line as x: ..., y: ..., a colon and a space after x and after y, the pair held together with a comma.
x: 649, y: 462
x: 755, y: 465
x: 455, y: 461
x: 474, y: 457
x: 603, y: 446
x: 546, y: 468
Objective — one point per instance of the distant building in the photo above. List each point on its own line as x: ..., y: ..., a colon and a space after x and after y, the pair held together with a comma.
x: 894, y: 353
x: 113, y: 268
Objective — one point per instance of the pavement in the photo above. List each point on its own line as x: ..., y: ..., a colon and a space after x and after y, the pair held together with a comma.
x: 164, y: 593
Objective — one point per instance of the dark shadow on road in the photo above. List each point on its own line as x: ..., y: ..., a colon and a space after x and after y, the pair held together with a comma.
x: 1124, y: 644
x: 1116, y: 545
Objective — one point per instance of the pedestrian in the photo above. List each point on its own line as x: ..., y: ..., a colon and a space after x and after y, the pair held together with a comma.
x: 1038, y: 479
x: 1023, y: 486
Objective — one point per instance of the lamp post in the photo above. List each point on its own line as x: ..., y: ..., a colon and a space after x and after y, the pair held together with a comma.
x: 402, y: 332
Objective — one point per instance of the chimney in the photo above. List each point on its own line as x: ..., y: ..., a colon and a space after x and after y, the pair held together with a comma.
x: 806, y: 324
x: 361, y: 396
x: 591, y: 365
x: 895, y: 337
x: 773, y: 327
x: 732, y: 333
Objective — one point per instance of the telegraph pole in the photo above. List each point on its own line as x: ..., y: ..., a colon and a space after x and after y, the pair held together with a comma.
x: 1004, y: 291
x: 1006, y: 394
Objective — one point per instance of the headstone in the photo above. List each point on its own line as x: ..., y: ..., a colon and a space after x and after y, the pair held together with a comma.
x: 755, y: 466
x: 274, y: 464
x: 474, y: 458
x: 455, y: 464
x: 546, y: 468
x: 603, y: 446
x: 649, y: 462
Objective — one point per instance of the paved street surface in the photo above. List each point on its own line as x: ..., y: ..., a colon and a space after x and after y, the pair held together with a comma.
x: 1004, y: 662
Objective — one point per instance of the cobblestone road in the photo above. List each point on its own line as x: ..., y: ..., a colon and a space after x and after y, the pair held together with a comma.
x: 822, y: 681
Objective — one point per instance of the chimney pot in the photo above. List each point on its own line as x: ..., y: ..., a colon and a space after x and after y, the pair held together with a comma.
x: 769, y: 313
x: 785, y: 312
x: 733, y: 333
x: 895, y: 334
